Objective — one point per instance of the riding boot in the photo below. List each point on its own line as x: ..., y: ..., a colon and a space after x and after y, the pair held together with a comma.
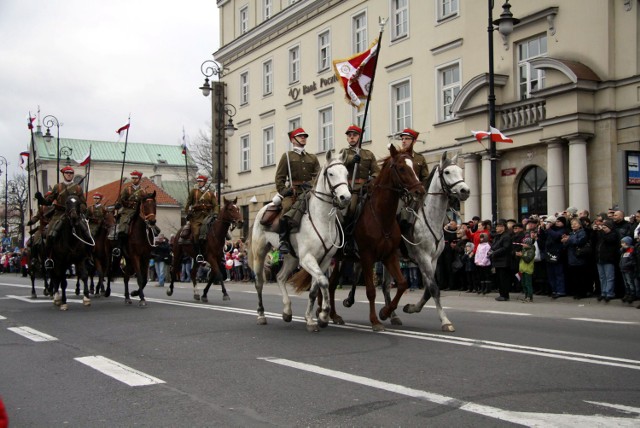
x: 285, y: 229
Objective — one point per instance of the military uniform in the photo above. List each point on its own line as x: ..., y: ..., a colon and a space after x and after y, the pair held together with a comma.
x: 58, y: 199
x: 368, y: 168
x: 96, y: 214
x: 200, y: 204
x: 409, y: 137
x: 420, y: 167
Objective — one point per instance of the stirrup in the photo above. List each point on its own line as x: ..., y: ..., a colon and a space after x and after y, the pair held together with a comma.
x: 199, y: 258
x: 116, y: 252
x: 48, y: 264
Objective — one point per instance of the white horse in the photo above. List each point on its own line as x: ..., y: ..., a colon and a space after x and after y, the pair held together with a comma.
x: 445, y: 182
x: 314, y: 244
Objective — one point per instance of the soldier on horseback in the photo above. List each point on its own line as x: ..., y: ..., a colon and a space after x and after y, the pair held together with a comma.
x: 298, y: 167
x: 96, y: 213
x: 126, y: 205
x: 408, y: 137
x: 368, y: 168
x: 58, y: 198
x: 201, y: 204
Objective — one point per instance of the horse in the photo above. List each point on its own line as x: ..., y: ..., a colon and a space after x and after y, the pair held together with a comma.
x: 377, y: 233
x: 229, y: 218
x: 70, y: 247
x: 101, y: 255
x: 314, y: 244
x: 137, y: 251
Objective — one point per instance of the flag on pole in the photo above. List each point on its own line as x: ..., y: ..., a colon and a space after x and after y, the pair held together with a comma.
x: 23, y: 155
x: 30, y: 121
x: 356, y: 73
x: 86, y: 160
x: 499, y: 137
x: 122, y: 129
x: 480, y: 135
x: 184, y: 148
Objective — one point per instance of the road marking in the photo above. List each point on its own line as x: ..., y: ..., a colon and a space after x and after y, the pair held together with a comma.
x: 2, y: 318
x: 626, y: 409
x: 505, y: 313
x: 124, y: 374
x: 31, y: 334
x: 46, y: 300
x: 604, y: 321
x: 521, y: 418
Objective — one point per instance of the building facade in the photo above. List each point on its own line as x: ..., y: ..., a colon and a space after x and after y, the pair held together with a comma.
x: 567, y: 88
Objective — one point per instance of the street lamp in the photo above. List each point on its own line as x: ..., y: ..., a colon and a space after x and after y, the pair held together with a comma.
x: 505, y: 26
x: 67, y: 152
x: 6, y: 194
x: 50, y: 121
x: 223, y: 110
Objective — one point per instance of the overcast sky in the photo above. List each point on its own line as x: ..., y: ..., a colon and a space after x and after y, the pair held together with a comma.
x: 90, y: 63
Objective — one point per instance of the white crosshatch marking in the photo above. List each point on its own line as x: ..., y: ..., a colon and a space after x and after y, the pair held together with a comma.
x: 120, y: 372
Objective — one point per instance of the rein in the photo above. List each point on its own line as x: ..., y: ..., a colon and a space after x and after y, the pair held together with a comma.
x: 151, y: 237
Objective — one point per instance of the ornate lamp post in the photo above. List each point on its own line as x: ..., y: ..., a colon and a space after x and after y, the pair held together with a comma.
x: 50, y: 121
x: 222, y: 110
x: 66, y: 152
x: 505, y: 26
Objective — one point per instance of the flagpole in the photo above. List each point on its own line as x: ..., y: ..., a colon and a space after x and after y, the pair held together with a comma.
x: 186, y: 166
x: 124, y: 156
x: 87, y: 174
x: 382, y: 22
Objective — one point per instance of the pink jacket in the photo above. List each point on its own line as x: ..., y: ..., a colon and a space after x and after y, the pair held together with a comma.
x: 482, y: 254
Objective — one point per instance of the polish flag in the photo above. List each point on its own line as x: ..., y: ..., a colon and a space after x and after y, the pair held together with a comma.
x: 86, y: 160
x: 480, y: 135
x: 356, y: 73
x: 30, y: 121
x: 184, y: 148
x: 499, y: 137
x: 23, y: 155
x: 121, y: 130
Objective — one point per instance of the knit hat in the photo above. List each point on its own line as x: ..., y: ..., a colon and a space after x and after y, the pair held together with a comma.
x: 627, y: 240
x: 572, y: 210
x: 562, y: 220
x: 527, y: 241
x: 469, y: 245
x: 609, y: 223
x: 551, y: 219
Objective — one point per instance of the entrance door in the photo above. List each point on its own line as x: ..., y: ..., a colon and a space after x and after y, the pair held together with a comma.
x: 532, y: 192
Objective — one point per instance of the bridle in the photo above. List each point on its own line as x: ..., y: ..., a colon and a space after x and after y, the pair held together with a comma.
x: 148, y: 217
x: 78, y: 218
x: 330, y: 197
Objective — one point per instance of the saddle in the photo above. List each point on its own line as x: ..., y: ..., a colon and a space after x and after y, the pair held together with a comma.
x: 185, y: 234
x: 271, y: 217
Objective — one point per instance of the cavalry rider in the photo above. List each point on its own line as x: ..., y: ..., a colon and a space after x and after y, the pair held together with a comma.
x: 58, y: 198
x: 96, y: 213
x: 368, y: 168
x: 43, y: 216
x: 201, y: 203
x: 408, y: 138
x: 298, y: 167
x: 126, y: 205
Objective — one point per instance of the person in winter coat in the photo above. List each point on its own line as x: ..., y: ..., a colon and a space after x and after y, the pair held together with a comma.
x: 483, y: 263
x: 526, y: 267
x: 554, y: 231
x: 628, y: 268
x: 469, y: 268
x: 578, y: 276
x: 607, y: 244
x: 500, y: 255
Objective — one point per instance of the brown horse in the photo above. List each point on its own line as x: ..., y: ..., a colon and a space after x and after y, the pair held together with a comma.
x: 230, y: 217
x: 137, y: 251
x: 101, y: 254
x: 377, y: 233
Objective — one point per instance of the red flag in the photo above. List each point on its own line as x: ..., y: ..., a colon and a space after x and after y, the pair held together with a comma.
x: 499, y: 137
x: 122, y: 129
x: 184, y: 148
x: 30, y: 121
x: 86, y: 160
x: 356, y: 73
x: 22, y: 156
x: 480, y: 135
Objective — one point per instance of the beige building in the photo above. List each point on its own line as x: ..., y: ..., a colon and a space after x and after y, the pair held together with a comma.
x: 567, y: 88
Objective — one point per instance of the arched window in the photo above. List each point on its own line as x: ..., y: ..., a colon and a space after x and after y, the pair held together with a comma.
x: 532, y: 192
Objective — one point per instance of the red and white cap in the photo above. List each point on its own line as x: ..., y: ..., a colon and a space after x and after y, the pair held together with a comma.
x: 354, y: 128
x: 136, y: 174
x: 410, y: 132
x: 201, y: 178
x: 67, y: 169
x: 98, y: 195
x: 298, y: 132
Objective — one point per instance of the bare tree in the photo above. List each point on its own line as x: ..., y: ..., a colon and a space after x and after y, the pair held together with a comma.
x: 202, y: 152
x: 16, y: 196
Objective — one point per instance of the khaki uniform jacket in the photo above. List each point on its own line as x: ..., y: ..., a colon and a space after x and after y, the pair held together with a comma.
x: 200, y: 204
x: 420, y: 167
x: 368, y: 166
x: 129, y: 197
x: 304, y: 167
x: 58, y: 198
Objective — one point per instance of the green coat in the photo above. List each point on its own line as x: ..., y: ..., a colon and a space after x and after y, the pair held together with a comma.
x: 368, y: 166
x: 304, y: 167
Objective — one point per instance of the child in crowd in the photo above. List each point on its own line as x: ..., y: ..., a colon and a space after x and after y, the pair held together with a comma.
x: 483, y: 263
x: 470, y: 268
x: 628, y: 268
x: 526, y: 267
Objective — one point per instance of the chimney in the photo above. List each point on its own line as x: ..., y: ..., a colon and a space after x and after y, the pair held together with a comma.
x: 157, y: 180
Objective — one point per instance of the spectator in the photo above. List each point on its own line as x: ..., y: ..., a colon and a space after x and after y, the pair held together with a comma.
x: 607, y: 244
x: 555, y: 229
x: 578, y: 282
x: 628, y: 268
x: 444, y: 272
x: 185, y: 274
x: 526, y: 266
x: 161, y: 256
x: 500, y: 255
x: 483, y: 263
x: 469, y: 267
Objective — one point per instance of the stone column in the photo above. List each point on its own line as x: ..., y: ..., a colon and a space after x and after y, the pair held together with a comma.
x: 578, y: 172
x: 555, y: 177
x: 485, y: 192
x: 471, y: 170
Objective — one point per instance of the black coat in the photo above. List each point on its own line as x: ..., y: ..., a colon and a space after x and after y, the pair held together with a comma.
x: 607, y: 247
x: 501, y: 250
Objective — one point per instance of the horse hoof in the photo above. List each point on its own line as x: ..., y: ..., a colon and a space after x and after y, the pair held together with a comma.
x: 347, y: 303
x: 377, y: 327
x: 107, y: 293
x: 196, y: 297
x: 226, y: 297
x: 34, y: 296
x: 383, y: 314
x: 142, y: 304
x: 86, y: 301
x: 262, y: 320
x: 169, y: 292
x: 204, y: 299
x: 135, y: 293
x: 287, y: 317
x: 322, y: 324
x: 127, y: 301
x: 396, y: 321
x: 338, y: 320
x: 312, y: 328
x: 448, y: 327
x: 77, y: 291
x: 96, y: 296
x: 64, y: 307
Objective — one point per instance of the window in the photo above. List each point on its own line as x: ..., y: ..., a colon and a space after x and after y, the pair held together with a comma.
x: 360, y: 42
x: 244, y: 88
x: 324, y: 51
x: 401, y: 104
x: 267, y: 77
x: 294, y: 64
x: 448, y: 87
x: 447, y: 8
x: 358, y: 117
x: 245, y: 153
x: 294, y: 123
x: 266, y: 9
x: 244, y: 20
x: 325, y: 127
x: 532, y: 192
x: 399, y: 18
x: 269, y: 147
x: 530, y: 79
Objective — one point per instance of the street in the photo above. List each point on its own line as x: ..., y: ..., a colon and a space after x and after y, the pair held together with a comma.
x: 179, y: 362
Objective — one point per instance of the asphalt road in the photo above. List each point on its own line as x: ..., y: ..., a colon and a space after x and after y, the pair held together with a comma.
x: 179, y: 362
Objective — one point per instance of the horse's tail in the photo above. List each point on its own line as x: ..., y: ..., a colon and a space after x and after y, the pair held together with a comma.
x: 247, y: 246
x: 301, y: 281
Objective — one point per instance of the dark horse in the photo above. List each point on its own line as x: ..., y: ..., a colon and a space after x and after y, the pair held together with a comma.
x: 36, y: 256
x: 230, y: 217
x: 377, y: 233
x: 137, y: 251
x: 71, y: 247
x: 101, y: 254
